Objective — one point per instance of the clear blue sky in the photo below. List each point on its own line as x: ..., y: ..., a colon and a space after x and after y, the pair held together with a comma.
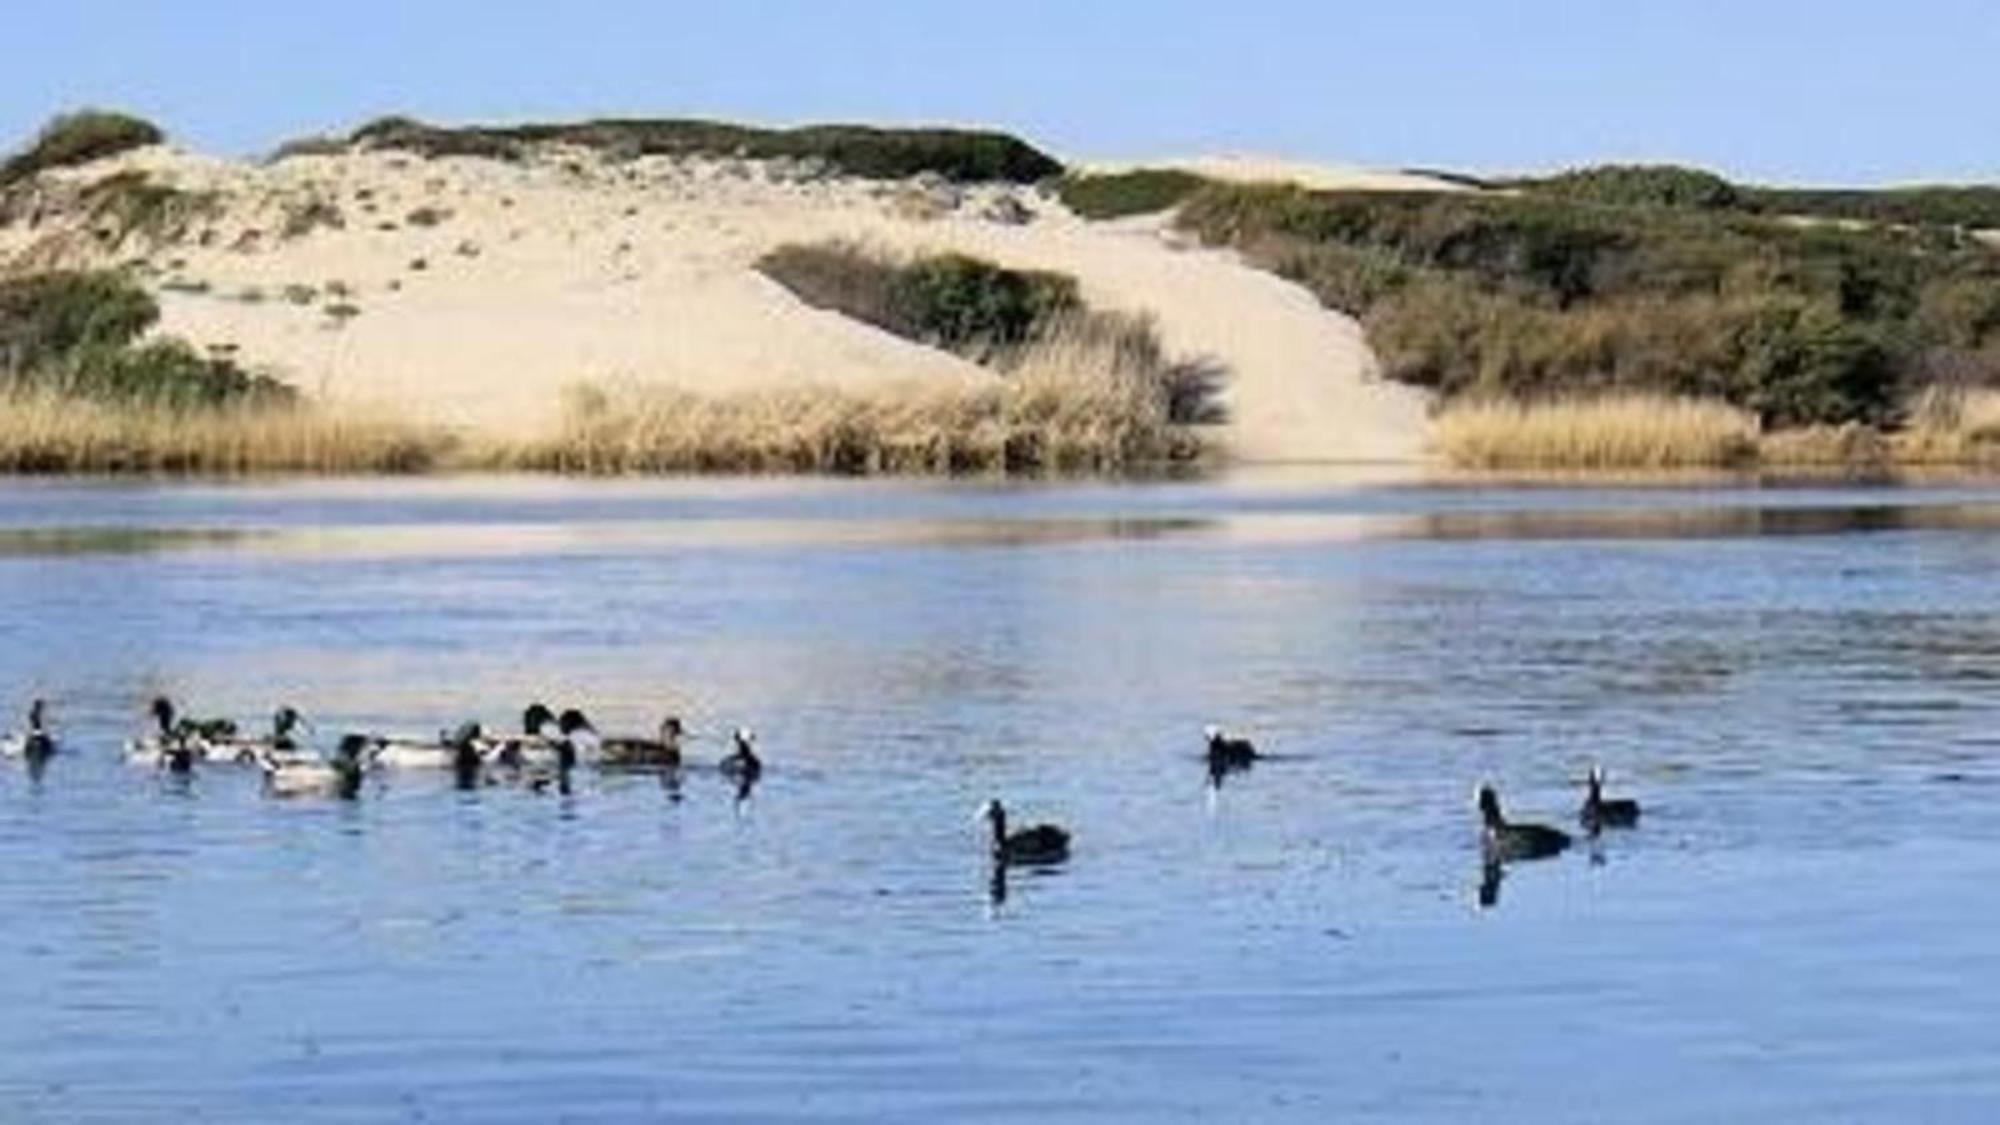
x: 1789, y: 90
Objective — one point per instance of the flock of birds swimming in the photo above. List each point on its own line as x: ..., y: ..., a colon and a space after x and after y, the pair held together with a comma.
x: 550, y: 746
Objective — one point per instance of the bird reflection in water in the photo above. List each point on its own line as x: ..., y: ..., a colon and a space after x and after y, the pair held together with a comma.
x: 1490, y: 875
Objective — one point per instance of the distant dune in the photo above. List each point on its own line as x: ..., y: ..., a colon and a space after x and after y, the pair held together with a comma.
x: 472, y: 291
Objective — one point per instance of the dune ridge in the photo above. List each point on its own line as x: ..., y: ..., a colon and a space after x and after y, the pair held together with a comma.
x: 472, y: 293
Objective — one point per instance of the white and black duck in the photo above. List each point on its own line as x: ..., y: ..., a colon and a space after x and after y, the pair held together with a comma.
x: 34, y: 744
x: 293, y: 774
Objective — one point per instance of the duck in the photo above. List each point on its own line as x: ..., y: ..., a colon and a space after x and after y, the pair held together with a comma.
x: 289, y: 775
x: 400, y: 753
x: 470, y: 750
x: 174, y: 746
x: 1598, y: 814
x: 1505, y: 841
x: 223, y: 744
x: 536, y: 742
x: 743, y: 764
x: 556, y: 774
x: 1041, y: 844
x: 663, y: 751
x: 35, y: 744
x: 1227, y: 753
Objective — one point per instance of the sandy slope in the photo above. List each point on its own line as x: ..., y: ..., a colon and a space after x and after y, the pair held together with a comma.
x: 567, y: 269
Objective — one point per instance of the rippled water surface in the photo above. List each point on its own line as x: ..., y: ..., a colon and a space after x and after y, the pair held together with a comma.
x: 1803, y: 684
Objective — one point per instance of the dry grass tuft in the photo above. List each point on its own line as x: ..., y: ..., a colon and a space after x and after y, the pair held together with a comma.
x: 45, y: 432
x: 1625, y: 432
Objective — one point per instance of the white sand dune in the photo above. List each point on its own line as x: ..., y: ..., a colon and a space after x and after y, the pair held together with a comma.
x: 522, y: 280
x: 1239, y: 168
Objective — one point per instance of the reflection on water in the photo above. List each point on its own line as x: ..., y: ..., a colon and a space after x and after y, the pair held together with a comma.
x: 1802, y: 685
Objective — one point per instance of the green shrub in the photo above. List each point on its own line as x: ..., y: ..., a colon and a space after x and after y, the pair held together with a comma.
x: 949, y: 300
x: 960, y: 155
x: 165, y: 373
x: 962, y: 303
x: 1115, y: 195
x: 1800, y: 363
x: 1015, y: 321
x: 1640, y: 185
x: 47, y: 318
x: 78, y: 333
x: 1533, y: 295
x: 79, y: 138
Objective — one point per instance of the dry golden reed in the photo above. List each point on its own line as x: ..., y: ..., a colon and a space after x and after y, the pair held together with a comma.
x: 43, y: 432
x: 1066, y: 405
x: 1619, y: 432
x: 1951, y: 425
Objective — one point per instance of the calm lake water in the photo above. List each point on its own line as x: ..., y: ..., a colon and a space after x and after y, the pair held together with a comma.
x: 1803, y: 685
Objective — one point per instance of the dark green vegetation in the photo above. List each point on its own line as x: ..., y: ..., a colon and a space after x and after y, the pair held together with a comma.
x: 1666, y: 185
x: 1643, y: 279
x: 78, y: 138
x: 961, y: 155
x: 79, y: 334
x: 130, y: 203
x: 1115, y: 195
x: 948, y: 301
x: 999, y: 317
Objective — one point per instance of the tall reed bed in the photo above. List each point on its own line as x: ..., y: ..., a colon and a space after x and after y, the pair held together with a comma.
x: 1075, y: 402
x: 1623, y: 432
x: 45, y: 432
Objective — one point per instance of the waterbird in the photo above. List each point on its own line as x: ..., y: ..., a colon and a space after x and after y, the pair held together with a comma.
x: 1043, y: 843
x: 172, y: 746
x: 223, y: 744
x: 443, y: 753
x: 1505, y: 841
x: 295, y: 776
x: 1598, y: 814
x: 35, y: 744
x: 1228, y: 753
x: 743, y: 764
x: 663, y: 751
x: 536, y: 744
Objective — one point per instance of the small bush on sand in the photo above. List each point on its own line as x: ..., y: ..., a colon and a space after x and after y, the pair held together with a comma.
x: 1115, y: 195
x: 946, y: 300
x: 79, y: 138
x: 1002, y: 318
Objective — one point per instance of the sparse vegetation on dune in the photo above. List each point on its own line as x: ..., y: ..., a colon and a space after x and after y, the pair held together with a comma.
x: 79, y: 138
x: 963, y: 155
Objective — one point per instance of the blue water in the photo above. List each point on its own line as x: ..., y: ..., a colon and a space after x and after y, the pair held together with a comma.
x: 1802, y: 684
